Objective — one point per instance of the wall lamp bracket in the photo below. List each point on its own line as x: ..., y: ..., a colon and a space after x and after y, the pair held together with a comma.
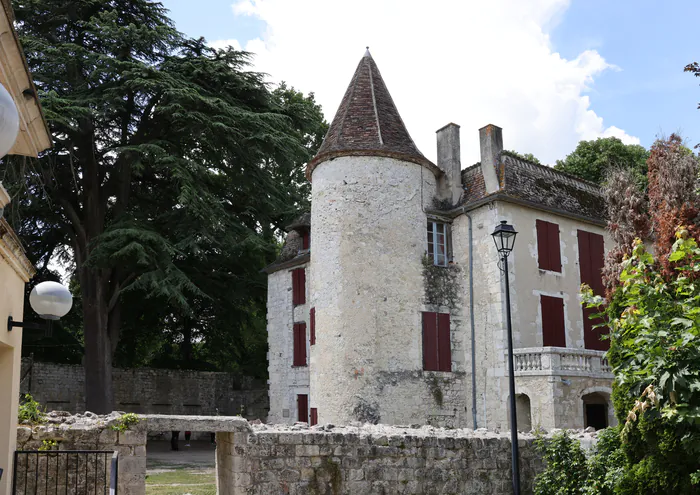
x: 11, y: 323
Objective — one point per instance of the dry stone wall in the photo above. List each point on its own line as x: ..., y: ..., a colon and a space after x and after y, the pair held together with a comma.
x: 150, y: 391
x: 369, y: 459
x: 82, y: 432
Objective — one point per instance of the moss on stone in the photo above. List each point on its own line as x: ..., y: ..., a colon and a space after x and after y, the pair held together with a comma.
x: 441, y: 284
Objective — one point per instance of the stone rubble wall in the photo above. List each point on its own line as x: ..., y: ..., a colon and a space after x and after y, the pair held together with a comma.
x: 369, y: 459
x: 82, y: 432
x: 150, y: 391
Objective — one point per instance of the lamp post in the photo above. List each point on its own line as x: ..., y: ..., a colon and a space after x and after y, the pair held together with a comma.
x: 504, y: 237
x: 50, y: 300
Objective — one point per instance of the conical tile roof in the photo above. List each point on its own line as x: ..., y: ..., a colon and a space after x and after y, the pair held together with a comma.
x: 367, y: 123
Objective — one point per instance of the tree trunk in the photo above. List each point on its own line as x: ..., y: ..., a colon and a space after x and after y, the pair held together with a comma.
x: 99, y: 395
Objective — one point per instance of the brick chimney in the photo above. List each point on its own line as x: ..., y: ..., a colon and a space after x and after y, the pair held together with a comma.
x: 449, y: 161
x: 491, y: 145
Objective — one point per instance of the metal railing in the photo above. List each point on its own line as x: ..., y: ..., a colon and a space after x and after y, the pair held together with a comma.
x: 560, y: 361
x: 65, y: 472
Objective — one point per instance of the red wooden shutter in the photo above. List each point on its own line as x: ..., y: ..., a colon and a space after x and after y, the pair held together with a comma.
x: 298, y: 286
x: 542, y: 245
x: 430, y: 344
x: 314, y: 416
x: 591, y: 252
x: 303, y: 408
x: 305, y: 240
x: 312, y: 326
x: 443, y: 340
x: 548, y: 249
x: 299, y: 344
x: 553, y: 327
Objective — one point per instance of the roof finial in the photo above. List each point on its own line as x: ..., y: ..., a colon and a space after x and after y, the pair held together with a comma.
x: 367, y: 53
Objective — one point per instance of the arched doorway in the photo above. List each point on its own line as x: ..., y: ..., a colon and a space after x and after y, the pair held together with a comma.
x: 523, y: 414
x: 595, y: 410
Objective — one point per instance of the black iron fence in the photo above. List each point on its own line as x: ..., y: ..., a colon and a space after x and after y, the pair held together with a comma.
x: 65, y: 472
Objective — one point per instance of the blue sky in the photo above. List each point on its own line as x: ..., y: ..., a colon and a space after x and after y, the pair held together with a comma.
x: 558, y: 71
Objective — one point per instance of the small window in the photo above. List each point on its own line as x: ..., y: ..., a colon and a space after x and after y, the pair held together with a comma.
x: 548, y: 249
x: 437, y: 355
x: 299, y: 344
x: 298, y: 286
x: 303, y: 408
x: 305, y: 240
x: 553, y: 327
x: 439, y: 248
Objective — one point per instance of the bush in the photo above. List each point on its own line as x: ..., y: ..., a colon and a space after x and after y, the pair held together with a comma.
x: 30, y: 411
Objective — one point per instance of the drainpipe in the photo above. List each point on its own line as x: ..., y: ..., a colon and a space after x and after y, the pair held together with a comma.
x: 471, y: 316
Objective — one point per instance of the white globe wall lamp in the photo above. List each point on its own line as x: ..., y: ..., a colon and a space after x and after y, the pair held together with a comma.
x: 9, y: 121
x: 50, y: 300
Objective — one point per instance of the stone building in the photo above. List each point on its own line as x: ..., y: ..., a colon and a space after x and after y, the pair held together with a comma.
x: 386, y: 304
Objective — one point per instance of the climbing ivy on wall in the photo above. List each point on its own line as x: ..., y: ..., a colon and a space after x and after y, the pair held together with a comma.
x: 442, y: 287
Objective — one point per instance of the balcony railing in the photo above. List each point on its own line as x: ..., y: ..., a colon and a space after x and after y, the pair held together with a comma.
x: 561, y: 361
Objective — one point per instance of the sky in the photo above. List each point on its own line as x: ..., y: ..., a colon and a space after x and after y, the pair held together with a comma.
x: 549, y: 72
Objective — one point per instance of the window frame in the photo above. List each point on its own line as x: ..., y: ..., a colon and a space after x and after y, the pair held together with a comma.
x: 432, y: 232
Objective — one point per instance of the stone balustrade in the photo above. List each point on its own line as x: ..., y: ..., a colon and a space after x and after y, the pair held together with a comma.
x: 537, y: 361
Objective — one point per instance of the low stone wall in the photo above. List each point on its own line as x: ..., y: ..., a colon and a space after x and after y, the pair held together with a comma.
x: 150, y: 391
x: 83, y: 432
x: 370, y: 459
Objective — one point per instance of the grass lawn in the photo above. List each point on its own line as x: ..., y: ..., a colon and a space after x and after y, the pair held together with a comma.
x: 181, y: 481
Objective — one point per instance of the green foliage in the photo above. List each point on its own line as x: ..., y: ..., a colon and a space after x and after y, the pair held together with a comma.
x: 30, y: 411
x: 173, y: 169
x: 441, y: 283
x: 125, y: 421
x: 566, y: 470
x: 523, y: 156
x: 48, y: 445
x: 591, y: 160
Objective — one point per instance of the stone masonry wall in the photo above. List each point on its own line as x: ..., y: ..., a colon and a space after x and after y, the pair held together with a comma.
x: 82, y: 432
x: 286, y: 381
x: 369, y: 459
x: 150, y: 391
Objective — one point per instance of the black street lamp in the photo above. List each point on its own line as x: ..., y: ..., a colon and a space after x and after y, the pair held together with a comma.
x: 504, y: 237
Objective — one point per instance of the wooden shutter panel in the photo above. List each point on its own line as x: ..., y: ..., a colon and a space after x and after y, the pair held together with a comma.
x: 548, y: 248
x: 302, y: 286
x: 591, y: 252
x: 312, y: 326
x: 314, y: 416
x: 553, y: 247
x: 430, y: 349
x: 305, y: 240
x: 553, y: 326
x: 299, y: 286
x: 443, y: 340
x: 303, y: 408
x: 299, y: 344
x: 542, y: 245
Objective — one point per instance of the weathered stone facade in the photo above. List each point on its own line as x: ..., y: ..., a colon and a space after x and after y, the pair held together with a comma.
x: 149, y: 391
x: 373, y: 194
x: 286, y: 381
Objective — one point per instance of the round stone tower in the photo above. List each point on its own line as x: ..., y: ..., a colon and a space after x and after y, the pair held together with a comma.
x: 370, y: 186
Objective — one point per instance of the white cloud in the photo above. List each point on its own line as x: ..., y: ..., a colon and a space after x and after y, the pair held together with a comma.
x: 462, y: 61
x: 220, y: 44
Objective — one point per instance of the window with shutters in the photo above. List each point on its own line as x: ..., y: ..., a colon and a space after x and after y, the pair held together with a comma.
x: 314, y: 416
x: 439, y: 248
x: 553, y: 326
x: 312, y: 326
x: 303, y: 408
x: 299, y: 344
x: 591, y: 254
x: 548, y: 249
x: 305, y: 240
x: 437, y: 355
x: 299, y: 286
